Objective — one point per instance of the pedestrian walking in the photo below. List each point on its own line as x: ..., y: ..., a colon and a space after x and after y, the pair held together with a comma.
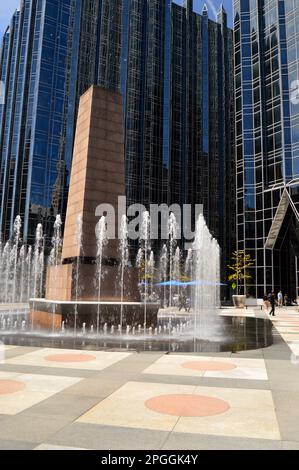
x: 280, y: 299
x: 272, y: 301
x: 182, y: 301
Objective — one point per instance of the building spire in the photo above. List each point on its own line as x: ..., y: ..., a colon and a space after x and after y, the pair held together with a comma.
x: 205, y: 9
x: 222, y: 15
x: 221, y: 8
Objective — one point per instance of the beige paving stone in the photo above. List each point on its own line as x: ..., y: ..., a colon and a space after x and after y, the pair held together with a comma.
x: 102, y: 359
x: 239, y: 422
x: 126, y: 407
x: 36, y: 389
x: 246, y: 368
x: 251, y: 412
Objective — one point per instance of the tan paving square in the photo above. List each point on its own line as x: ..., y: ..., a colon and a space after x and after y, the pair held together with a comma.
x: 96, y: 360
x: 33, y: 390
x: 243, y: 368
x: 251, y: 412
x: 126, y: 407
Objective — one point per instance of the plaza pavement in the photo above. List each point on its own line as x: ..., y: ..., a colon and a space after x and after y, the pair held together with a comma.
x: 68, y: 399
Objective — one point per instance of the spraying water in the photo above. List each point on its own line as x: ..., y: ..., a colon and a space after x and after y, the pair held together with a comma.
x: 55, y: 255
x: 29, y: 267
x: 14, y: 254
x: 22, y: 264
x: 41, y: 268
x: 6, y: 270
x: 21, y: 276
x: 124, y: 258
x: 189, y: 273
x: 37, y: 266
x: 139, y: 261
x: 145, y: 241
x: 79, y: 243
x: 189, y: 263
x: 164, y: 271
x: 102, y: 240
x: 38, y: 263
x: 177, y: 266
x: 151, y: 270
x: 207, y: 323
x: 1, y: 267
x: 172, y: 234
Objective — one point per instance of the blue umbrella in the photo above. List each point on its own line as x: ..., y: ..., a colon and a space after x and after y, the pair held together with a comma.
x: 190, y: 283
x: 203, y: 282
x: 171, y: 283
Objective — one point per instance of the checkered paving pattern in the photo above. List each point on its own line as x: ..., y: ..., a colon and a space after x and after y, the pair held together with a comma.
x: 60, y: 399
x: 286, y: 323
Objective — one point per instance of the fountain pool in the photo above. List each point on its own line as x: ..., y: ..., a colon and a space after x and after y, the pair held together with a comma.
x: 169, y: 315
x: 239, y: 334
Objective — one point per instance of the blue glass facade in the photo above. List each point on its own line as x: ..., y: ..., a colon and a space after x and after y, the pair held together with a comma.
x: 51, y: 53
x: 179, y: 110
x: 205, y: 81
x: 167, y: 85
x: 36, y: 71
x: 267, y: 138
x: 174, y: 70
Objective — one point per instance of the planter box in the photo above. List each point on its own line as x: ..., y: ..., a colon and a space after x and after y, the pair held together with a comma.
x: 239, y: 301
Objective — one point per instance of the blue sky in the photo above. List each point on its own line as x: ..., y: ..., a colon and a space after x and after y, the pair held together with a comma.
x: 213, y: 6
x: 7, y: 7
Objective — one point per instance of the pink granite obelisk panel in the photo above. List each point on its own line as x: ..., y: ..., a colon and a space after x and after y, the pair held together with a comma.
x: 97, y: 175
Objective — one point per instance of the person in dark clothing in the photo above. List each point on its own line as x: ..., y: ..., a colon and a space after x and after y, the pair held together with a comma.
x: 272, y: 301
x: 182, y: 301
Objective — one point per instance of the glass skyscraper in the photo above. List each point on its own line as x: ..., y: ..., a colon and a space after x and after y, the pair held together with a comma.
x: 267, y: 141
x: 51, y: 53
x: 174, y: 69
x: 177, y: 83
x: 35, y: 66
x: 178, y: 88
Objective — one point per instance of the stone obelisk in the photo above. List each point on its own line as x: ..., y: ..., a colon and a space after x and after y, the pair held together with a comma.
x: 97, y: 177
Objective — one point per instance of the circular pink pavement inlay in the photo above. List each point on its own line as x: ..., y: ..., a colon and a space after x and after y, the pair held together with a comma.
x: 187, y: 405
x: 208, y: 365
x: 70, y: 358
x: 10, y: 386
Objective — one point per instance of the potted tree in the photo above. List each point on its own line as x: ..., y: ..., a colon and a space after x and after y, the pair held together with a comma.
x: 241, y: 261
